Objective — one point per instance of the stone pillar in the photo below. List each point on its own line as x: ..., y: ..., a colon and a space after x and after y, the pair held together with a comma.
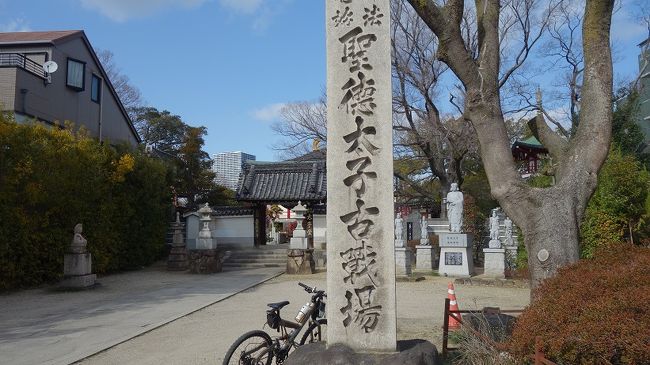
x: 424, y: 257
x: 494, y: 265
x: 177, y: 260
x: 402, y: 261
x: 77, y: 264
x: 360, y: 247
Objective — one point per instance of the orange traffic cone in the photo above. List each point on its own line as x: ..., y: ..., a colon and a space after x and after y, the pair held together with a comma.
x: 453, y: 306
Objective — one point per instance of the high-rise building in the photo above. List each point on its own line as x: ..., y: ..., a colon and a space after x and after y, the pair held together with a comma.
x: 228, y: 166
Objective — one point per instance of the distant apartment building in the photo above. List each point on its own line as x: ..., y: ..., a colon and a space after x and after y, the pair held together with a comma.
x: 79, y: 90
x: 228, y: 166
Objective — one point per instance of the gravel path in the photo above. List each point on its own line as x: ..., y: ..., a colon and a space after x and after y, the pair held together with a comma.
x: 203, y: 337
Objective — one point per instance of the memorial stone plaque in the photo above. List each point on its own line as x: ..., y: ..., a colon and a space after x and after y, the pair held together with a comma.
x: 453, y: 258
x: 361, y: 258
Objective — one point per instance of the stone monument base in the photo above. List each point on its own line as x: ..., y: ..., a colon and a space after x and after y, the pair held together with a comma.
x: 456, y: 255
x: 77, y: 271
x: 77, y: 264
x: 177, y: 260
x: 78, y: 282
x: 402, y: 261
x: 424, y: 257
x: 495, y: 260
x: 300, y: 262
x: 411, y: 352
x: 204, y: 261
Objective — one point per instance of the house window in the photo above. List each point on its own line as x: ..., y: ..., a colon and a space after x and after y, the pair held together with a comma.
x: 76, y: 74
x: 95, y: 88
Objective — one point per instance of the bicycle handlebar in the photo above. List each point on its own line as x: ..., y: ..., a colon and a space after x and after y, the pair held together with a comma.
x: 311, y: 290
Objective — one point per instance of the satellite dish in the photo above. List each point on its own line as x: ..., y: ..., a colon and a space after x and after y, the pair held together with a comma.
x: 50, y: 67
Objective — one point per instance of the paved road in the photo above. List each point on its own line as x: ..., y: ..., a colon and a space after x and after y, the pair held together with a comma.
x: 44, y: 326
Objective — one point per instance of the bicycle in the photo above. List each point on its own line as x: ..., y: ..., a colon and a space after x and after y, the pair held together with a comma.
x: 258, y: 348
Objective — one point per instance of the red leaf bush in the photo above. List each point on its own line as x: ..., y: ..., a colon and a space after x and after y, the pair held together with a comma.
x: 596, y: 311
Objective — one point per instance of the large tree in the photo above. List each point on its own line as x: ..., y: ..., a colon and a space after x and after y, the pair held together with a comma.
x: 128, y: 93
x: 549, y: 217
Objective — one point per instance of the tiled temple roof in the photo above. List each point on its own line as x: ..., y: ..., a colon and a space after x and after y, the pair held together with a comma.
x: 287, y: 181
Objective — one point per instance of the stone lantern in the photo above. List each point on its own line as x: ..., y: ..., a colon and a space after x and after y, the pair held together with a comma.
x: 299, y: 239
x: 206, y: 258
x: 300, y: 259
x: 205, y: 241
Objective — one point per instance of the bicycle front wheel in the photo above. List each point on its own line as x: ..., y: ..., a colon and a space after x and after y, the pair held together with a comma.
x: 316, y: 332
x: 251, y: 348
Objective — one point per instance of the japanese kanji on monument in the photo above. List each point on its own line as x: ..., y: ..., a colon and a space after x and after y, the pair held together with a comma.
x: 360, y: 249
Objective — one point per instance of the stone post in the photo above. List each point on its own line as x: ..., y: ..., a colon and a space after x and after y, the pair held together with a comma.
x: 360, y: 248
x: 177, y: 260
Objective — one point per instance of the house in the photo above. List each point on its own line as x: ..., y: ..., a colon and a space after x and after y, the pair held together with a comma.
x: 78, y: 91
x: 643, y: 87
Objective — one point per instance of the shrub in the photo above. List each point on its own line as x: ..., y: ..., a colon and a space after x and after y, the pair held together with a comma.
x: 595, y: 311
x: 618, y: 204
x: 51, y: 179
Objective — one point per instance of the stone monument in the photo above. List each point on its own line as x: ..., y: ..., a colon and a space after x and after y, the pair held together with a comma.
x: 177, y: 260
x: 494, y: 263
x: 360, y: 246
x: 77, y: 263
x: 402, y: 253
x: 300, y: 258
x: 205, y: 259
x: 455, y: 246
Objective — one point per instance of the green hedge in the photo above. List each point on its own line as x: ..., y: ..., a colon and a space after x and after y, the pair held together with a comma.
x: 51, y: 179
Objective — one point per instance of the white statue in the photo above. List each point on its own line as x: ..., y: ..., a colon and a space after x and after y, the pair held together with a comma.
x: 424, y: 233
x: 455, y: 209
x: 509, y: 239
x: 494, y: 225
x: 399, y: 227
x: 79, y: 243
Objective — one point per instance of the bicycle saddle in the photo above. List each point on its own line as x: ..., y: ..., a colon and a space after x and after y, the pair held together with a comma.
x: 278, y: 305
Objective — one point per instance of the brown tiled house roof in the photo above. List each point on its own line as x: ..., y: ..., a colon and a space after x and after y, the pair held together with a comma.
x: 37, y: 37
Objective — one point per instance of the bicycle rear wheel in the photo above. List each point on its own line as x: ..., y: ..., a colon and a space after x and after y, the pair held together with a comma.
x: 251, y: 348
x: 316, y: 332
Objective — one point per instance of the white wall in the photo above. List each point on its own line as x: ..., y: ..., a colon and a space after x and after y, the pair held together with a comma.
x: 228, y: 230
x: 320, y: 230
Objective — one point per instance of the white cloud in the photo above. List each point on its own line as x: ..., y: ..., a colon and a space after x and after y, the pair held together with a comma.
x: 15, y: 25
x: 268, y: 113
x: 626, y: 24
x: 242, y: 6
x: 122, y: 10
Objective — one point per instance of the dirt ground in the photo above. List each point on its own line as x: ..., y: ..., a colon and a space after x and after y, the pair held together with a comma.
x: 203, y: 337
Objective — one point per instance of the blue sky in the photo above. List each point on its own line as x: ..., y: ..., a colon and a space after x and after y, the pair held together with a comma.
x: 226, y: 64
